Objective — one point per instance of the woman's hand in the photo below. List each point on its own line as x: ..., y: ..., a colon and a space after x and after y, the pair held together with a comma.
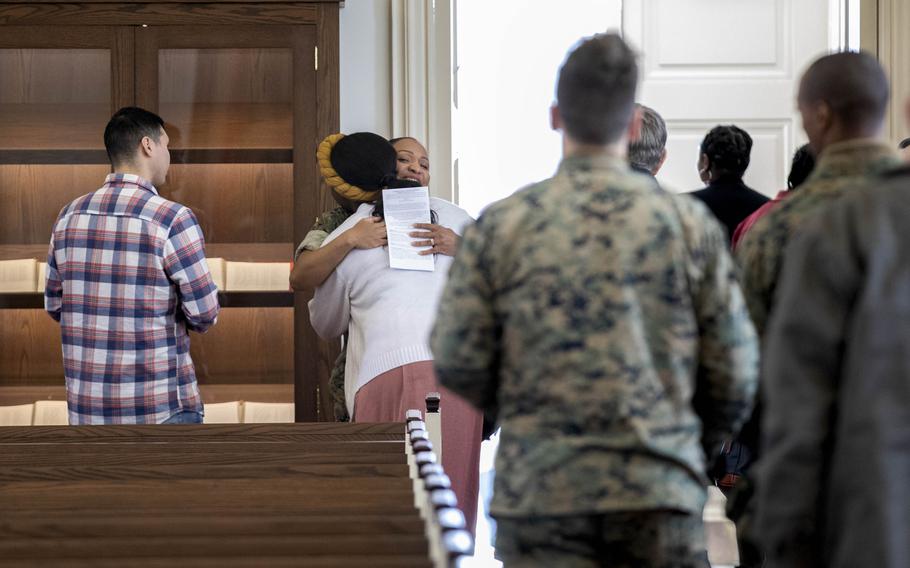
x: 368, y: 233
x: 441, y: 240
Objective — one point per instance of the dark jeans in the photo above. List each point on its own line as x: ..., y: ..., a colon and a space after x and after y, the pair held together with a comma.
x: 646, y: 539
x: 185, y: 417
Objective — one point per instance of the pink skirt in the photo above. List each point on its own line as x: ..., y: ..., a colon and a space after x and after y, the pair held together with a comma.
x: 387, y: 397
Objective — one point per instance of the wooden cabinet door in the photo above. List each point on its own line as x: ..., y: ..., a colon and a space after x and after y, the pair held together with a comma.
x: 239, y: 104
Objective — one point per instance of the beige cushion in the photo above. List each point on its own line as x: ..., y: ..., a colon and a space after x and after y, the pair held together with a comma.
x: 257, y: 275
x: 216, y: 267
x: 19, y: 415
x: 259, y: 412
x: 222, y: 413
x: 51, y: 413
x: 18, y: 275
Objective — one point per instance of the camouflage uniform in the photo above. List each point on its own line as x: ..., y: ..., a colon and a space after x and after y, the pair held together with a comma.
x: 600, y: 316
x: 760, y: 254
x: 325, y: 224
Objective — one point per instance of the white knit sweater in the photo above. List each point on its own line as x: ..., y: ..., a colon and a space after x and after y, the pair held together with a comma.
x: 388, y: 313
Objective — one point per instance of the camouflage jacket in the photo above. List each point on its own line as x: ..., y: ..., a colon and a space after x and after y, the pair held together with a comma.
x: 324, y: 225
x: 760, y: 253
x: 600, y: 318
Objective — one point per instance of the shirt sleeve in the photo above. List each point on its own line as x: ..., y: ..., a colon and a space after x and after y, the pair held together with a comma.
x: 466, y: 337
x: 53, y: 284
x: 330, y: 308
x: 803, y: 355
x: 727, y: 376
x: 185, y: 266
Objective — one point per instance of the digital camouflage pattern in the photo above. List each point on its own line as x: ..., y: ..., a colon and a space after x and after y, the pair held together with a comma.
x: 760, y: 254
x: 601, y: 317
x: 322, y: 228
x: 617, y: 540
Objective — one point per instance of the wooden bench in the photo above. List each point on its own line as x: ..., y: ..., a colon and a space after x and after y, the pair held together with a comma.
x: 210, y: 495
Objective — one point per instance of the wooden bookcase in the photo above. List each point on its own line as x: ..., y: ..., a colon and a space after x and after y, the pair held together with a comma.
x: 247, y: 90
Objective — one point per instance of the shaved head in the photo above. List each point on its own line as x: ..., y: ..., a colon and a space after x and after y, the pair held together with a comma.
x: 852, y: 85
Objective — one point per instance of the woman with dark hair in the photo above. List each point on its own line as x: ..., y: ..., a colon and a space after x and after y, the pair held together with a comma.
x: 803, y: 164
x: 388, y: 313
x: 723, y: 160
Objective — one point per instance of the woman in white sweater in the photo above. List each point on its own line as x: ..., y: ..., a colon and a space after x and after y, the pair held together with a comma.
x: 388, y: 314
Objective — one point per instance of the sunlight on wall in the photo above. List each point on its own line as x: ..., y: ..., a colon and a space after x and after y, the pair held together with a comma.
x: 508, y: 57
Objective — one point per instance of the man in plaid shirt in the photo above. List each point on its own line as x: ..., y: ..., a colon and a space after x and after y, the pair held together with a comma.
x: 126, y: 279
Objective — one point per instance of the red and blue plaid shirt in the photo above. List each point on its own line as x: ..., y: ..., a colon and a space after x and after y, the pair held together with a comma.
x: 126, y: 279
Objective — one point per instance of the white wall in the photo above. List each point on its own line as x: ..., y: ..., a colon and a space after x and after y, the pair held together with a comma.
x: 366, y: 66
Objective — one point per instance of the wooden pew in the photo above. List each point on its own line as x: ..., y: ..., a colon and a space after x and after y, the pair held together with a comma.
x: 209, y: 495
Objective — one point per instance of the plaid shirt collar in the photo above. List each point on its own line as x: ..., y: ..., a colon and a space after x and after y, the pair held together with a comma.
x: 120, y: 181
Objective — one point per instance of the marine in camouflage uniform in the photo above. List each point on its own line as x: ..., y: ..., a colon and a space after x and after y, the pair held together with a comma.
x: 322, y: 228
x: 760, y: 254
x: 599, y: 316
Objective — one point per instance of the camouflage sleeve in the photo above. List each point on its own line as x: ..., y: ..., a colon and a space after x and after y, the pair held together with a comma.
x: 322, y: 228
x: 466, y: 336
x: 757, y: 284
x: 804, y: 351
x: 728, y: 346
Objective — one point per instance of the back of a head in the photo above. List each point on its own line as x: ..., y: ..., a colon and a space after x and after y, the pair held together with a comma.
x: 125, y: 131
x: 595, y: 92
x: 853, y: 85
x: 803, y: 164
x: 646, y: 152
x: 365, y: 160
x: 728, y: 149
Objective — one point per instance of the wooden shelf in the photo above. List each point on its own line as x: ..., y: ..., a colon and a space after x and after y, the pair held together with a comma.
x: 214, y: 133
x: 227, y: 299
x: 228, y: 125
x: 239, y: 252
x: 45, y: 127
x: 12, y: 395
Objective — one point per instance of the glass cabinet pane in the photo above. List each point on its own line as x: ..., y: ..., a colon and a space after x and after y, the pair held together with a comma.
x: 54, y: 98
x: 227, y: 98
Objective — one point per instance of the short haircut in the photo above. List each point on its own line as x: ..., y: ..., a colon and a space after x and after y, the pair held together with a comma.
x: 595, y: 91
x: 645, y: 152
x: 854, y: 85
x: 728, y: 148
x: 803, y: 164
x: 125, y: 131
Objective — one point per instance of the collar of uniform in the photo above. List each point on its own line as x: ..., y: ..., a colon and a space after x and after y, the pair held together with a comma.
x: 588, y: 163
x: 854, y: 157
x: 124, y: 180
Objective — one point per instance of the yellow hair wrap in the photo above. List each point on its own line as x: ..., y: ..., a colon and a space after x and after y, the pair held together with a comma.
x: 338, y: 185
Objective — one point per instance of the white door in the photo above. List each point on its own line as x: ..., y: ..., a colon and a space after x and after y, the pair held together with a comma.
x: 710, y: 62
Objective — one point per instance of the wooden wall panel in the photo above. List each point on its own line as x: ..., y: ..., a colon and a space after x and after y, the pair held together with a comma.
x: 32, y: 197
x: 236, y: 203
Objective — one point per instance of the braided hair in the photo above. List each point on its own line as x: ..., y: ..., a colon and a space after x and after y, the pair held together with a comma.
x: 727, y: 149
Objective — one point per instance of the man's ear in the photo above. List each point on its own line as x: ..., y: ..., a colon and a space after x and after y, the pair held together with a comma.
x: 660, y: 164
x: 145, y: 146
x: 823, y: 116
x: 634, y: 130
x: 555, y: 118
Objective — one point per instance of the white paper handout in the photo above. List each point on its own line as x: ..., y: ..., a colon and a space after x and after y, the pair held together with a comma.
x: 403, y: 208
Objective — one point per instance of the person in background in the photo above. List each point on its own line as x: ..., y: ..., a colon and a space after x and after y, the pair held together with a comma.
x: 803, y: 163
x: 832, y: 483
x: 611, y: 341
x: 648, y: 152
x: 387, y: 314
x: 724, y: 157
x: 313, y: 264
x: 842, y: 100
x: 126, y: 279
